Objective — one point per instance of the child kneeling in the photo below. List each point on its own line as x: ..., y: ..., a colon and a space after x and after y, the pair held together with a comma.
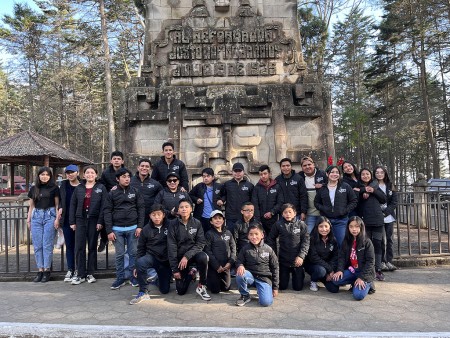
x: 257, y: 265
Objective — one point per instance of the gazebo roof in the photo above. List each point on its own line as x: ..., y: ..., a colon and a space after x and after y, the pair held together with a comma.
x: 28, y: 147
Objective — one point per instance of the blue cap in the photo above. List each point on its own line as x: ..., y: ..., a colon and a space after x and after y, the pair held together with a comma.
x: 71, y: 167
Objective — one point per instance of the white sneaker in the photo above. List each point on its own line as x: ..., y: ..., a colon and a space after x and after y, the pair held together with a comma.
x: 201, y: 290
x: 90, y: 279
x: 313, y: 287
x: 68, y: 277
x: 78, y: 280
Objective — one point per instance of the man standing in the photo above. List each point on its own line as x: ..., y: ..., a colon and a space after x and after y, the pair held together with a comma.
x: 168, y: 163
x: 233, y: 194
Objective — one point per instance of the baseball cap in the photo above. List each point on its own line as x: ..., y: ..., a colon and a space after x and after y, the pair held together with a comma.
x: 216, y: 212
x: 71, y: 167
x: 238, y: 166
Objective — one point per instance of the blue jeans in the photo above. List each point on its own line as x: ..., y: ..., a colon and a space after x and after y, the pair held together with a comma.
x: 339, y: 225
x: 319, y: 273
x: 350, y: 278
x: 162, y: 268
x: 263, y: 289
x: 129, y: 239
x: 43, y: 234
x: 311, y: 222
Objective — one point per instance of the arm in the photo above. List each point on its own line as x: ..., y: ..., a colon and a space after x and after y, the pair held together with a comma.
x: 56, y: 222
x: 232, y: 258
x: 255, y: 202
x: 274, y: 269
x: 277, y: 207
x: 172, y: 247
x: 194, y: 194
x: 273, y: 235
x: 303, y: 195
x: 30, y: 212
x: 392, y: 204
x: 142, y: 245
x: 304, y: 242
x: 140, y: 205
x: 107, y: 212
x: 368, y: 269
x: 379, y: 195
x: 101, y: 217
x: 315, y: 258
x: 73, y: 207
x: 184, y: 178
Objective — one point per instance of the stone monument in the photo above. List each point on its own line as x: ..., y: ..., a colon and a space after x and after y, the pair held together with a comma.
x: 225, y: 81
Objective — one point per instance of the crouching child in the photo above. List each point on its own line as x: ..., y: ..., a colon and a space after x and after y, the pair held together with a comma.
x: 257, y: 265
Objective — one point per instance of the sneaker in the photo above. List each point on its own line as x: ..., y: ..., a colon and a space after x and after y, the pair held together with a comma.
x: 78, y: 280
x: 193, y: 274
x: 134, y: 282
x: 140, y: 297
x: 390, y: 266
x: 152, y: 276
x: 68, y: 276
x: 384, y: 267
x: 90, y: 279
x: 243, y: 300
x: 101, y: 246
x: 201, y: 290
x: 379, y: 276
x: 313, y: 287
x: 118, y: 283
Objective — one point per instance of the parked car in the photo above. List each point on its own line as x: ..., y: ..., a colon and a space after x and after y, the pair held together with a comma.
x: 19, y: 188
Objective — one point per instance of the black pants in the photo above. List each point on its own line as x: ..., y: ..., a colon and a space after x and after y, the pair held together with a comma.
x: 387, y: 247
x: 162, y: 268
x: 375, y: 234
x: 201, y: 262
x: 86, y: 232
x: 218, y: 281
x: 298, y: 276
x: 104, y: 235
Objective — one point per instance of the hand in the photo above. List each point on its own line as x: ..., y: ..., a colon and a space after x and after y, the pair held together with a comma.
x: 329, y: 277
x: 199, y: 201
x: 173, y: 211
x: 182, y: 189
x: 275, y: 293
x: 240, y: 270
x: 29, y: 224
x: 369, y: 189
x: 183, y: 263
x: 99, y: 227
x: 227, y: 267
x: 366, y: 195
x: 318, y: 185
x: 112, y: 237
x: 302, y: 216
x: 60, y: 213
x: 356, y: 189
x: 73, y: 227
x: 360, y: 284
x: 220, y: 269
x: 177, y: 275
x: 298, y: 262
x: 56, y: 223
x: 219, y: 203
x: 268, y: 215
x: 137, y: 233
x: 338, y: 275
x: 134, y: 273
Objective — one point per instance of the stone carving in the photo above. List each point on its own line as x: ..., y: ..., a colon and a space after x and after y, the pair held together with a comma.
x: 226, y: 82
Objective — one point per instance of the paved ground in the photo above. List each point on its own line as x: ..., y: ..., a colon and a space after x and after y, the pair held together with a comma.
x: 416, y: 301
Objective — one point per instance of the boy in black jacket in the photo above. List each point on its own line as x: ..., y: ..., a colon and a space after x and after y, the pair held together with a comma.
x: 168, y: 163
x: 257, y: 265
x: 124, y: 220
x: 242, y: 226
x: 152, y: 253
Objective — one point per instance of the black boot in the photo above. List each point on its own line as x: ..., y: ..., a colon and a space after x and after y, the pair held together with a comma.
x: 38, y: 277
x: 45, y: 277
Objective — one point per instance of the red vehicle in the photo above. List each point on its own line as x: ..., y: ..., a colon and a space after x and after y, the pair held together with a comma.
x: 19, y: 188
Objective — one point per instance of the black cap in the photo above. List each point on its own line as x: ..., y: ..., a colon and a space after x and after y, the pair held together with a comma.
x: 238, y: 166
x: 172, y: 174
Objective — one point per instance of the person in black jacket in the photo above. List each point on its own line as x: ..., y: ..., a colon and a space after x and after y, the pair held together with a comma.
x: 336, y: 200
x: 233, y: 194
x: 293, y: 187
x: 322, y: 259
x: 86, y: 219
x: 124, y: 220
x: 356, y: 260
x: 146, y: 185
x: 168, y: 163
x: 267, y: 197
x: 257, y: 265
x: 170, y: 196
x: 371, y: 198
x: 205, y: 196
x: 152, y: 253
x: 351, y: 177
x: 108, y: 179
x: 185, y: 244
x: 66, y: 190
x: 293, y: 237
x: 241, y: 227
x: 387, y: 246
x: 221, y: 250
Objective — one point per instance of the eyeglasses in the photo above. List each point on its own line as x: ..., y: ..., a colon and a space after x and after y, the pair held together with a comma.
x: 248, y: 210
x: 172, y: 181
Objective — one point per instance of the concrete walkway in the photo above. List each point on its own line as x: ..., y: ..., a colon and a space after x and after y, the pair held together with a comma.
x: 412, y: 302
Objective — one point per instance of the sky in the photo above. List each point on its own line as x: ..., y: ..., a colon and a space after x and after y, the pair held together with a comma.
x: 6, y: 6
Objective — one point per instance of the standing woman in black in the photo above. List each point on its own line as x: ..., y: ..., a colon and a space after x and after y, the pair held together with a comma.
x: 388, y: 209
x: 371, y: 197
x: 351, y: 177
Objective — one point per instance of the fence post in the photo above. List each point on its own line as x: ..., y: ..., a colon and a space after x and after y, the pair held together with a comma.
x: 420, y: 201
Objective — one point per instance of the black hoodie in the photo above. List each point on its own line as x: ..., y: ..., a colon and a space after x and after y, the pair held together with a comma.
x: 161, y: 169
x: 96, y: 208
x: 220, y: 248
x: 153, y: 240
x: 294, y: 191
x: 149, y: 188
x: 170, y: 200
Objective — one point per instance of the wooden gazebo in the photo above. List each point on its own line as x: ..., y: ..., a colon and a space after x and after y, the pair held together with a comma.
x: 31, y: 149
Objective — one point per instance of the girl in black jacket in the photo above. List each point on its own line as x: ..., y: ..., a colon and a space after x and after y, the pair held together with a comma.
x: 388, y: 209
x: 351, y: 177
x: 356, y: 261
x: 369, y: 209
x: 336, y: 200
x: 322, y: 259
x: 86, y: 219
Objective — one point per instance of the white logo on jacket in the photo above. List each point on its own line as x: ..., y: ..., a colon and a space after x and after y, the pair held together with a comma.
x: 150, y: 186
x: 293, y: 183
x: 296, y: 230
x: 264, y: 254
x: 131, y: 195
x: 226, y: 238
x: 192, y: 231
x: 319, y: 179
x: 182, y: 196
x: 244, y: 188
x: 272, y: 191
x: 217, y: 191
x: 165, y: 232
x: 342, y: 190
x: 98, y: 190
x: 176, y: 167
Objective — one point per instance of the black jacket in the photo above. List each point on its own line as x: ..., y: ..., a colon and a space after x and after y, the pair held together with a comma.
x: 154, y: 241
x: 370, y: 209
x: 184, y: 240
x: 293, y: 240
x: 199, y: 192
x: 319, y: 177
x: 345, y: 201
x: 324, y: 254
x: 350, y: 181
x: 124, y: 207
x: 366, y: 259
x: 96, y: 208
x: 261, y: 261
x: 267, y: 199
x: 391, y: 204
x: 62, y: 200
x: 241, y: 232
x: 108, y: 178
x: 220, y: 248
x: 294, y: 191
x: 149, y: 188
x: 170, y: 200
x: 235, y: 194
x: 161, y: 169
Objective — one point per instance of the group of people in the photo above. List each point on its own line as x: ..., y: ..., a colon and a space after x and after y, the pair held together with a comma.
x: 338, y: 229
